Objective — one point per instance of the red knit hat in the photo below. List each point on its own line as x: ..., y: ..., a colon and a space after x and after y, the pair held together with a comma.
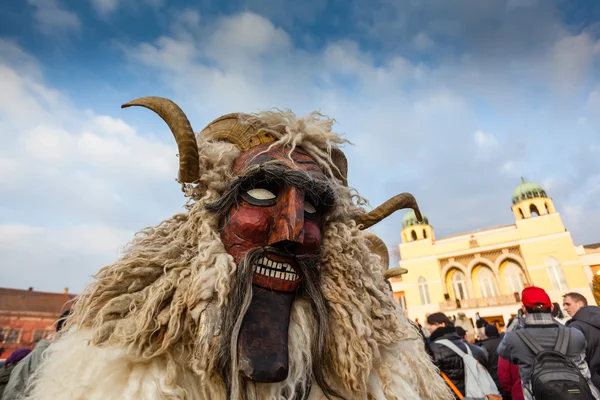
x: 533, y: 297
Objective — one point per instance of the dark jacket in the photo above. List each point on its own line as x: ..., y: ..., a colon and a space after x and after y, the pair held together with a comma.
x: 448, y: 361
x: 587, y: 320
x: 5, y: 376
x: 491, y: 346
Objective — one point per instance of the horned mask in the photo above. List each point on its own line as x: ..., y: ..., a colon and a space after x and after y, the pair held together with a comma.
x: 272, y: 217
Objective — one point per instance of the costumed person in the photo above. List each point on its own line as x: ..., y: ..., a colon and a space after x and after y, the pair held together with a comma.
x: 264, y: 289
x: 467, y: 325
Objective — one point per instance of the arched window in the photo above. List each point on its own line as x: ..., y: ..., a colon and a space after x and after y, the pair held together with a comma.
x: 513, y: 274
x: 459, y: 285
x: 533, y: 210
x: 424, y: 233
x: 414, y: 235
x: 424, y: 291
x: 556, y: 274
x: 547, y: 209
x: 487, y: 283
x: 521, y: 212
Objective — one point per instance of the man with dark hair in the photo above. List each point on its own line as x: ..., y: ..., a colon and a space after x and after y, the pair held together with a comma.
x: 541, y: 331
x: 450, y: 363
x: 586, y: 319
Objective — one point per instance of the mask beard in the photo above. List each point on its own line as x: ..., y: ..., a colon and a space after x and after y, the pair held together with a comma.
x: 258, y: 321
x: 263, y: 338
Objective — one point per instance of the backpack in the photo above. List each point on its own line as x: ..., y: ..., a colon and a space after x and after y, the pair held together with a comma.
x: 553, y: 375
x: 478, y: 382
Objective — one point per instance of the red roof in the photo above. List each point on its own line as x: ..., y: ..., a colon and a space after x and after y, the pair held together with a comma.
x: 17, y: 300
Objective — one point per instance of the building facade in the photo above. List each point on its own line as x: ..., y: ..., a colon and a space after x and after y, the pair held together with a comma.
x: 27, y: 316
x: 485, y: 271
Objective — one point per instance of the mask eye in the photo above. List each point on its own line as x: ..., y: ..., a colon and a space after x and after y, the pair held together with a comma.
x: 261, y: 194
x: 309, y: 208
x: 260, y: 197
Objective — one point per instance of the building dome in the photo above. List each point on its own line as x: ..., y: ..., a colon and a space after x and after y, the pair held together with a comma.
x: 527, y: 190
x: 411, y: 219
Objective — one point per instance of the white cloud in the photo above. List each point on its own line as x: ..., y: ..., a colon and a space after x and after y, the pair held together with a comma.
x: 52, y: 19
x: 486, y: 145
x: 520, y: 3
x: 571, y: 60
x: 423, y: 42
x: 105, y: 7
x: 49, y: 259
x: 508, y: 167
x: 485, y: 140
x: 48, y: 144
x: 249, y: 34
x: 78, y: 183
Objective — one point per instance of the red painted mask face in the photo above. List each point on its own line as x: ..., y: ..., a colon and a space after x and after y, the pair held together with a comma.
x: 275, y: 214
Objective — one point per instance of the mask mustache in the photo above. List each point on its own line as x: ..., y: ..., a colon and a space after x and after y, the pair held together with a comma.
x: 306, y: 259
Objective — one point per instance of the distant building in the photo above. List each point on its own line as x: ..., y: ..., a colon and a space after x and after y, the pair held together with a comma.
x: 486, y: 270
x: 26, y: 316
x: 589, y: 254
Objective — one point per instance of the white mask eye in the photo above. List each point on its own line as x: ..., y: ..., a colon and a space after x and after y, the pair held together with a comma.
x: 261, y: 194
x: 309, y: 208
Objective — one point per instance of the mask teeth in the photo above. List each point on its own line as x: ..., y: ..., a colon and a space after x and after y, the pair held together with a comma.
x: 273, y: 269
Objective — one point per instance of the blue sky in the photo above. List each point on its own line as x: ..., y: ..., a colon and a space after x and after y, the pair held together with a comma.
x: 452, y: 101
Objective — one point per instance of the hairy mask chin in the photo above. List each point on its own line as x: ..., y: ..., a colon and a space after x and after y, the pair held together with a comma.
x: 277, y: 275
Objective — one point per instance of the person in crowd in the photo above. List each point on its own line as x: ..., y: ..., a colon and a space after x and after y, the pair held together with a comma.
x: 510, y: 382
x: 539, y: 324
x: 481, y: 324
x: 422, y: 330
x: 516, y: 322
x: 11, y: 362
x: 461, y: 333
x: 557, y: 313
x: 490, y: 344
x: 17, y: 384
x: 586, y: 318
x: 450, y: 363
x: 463, y: 321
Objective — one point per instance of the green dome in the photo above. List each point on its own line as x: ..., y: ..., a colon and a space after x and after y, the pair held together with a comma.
x: 527, y: 190
x: 411, y: 219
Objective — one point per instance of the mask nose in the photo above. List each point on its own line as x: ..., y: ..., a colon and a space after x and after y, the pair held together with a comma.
x: 288, y: 224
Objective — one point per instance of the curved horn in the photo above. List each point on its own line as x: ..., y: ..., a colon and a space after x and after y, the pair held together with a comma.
x: 398, y: 202
x: 394, y: 272
x: 189, y: 164
x: 377, y: 246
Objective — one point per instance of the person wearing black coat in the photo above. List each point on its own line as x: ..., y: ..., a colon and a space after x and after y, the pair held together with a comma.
x: 445, y: 359
x: 490, y: 344
x: 587, y: 320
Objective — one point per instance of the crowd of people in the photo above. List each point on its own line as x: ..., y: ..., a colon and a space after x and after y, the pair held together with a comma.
x: 539, y: 354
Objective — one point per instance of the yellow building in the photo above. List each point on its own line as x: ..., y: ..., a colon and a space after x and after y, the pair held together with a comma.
x: 485, y: 271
